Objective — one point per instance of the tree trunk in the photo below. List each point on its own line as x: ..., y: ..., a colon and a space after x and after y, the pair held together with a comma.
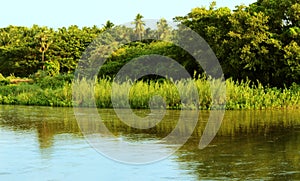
x: 43, y: 60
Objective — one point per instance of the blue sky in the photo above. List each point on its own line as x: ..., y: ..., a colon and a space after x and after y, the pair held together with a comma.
x: 59, y: 13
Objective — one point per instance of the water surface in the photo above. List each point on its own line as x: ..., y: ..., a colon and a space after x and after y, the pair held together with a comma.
x: 43, y: 143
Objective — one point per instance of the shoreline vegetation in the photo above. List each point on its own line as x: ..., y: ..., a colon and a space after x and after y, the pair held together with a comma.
x: 57, y: 91
x: 257, y: 46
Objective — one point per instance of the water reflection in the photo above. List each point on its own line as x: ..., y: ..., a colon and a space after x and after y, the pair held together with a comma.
x: 258, y: 157
x: 249, y: 145
x: 46, y: 121
x: 49, y: 122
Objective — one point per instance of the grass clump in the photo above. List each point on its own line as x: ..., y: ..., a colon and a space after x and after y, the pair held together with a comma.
x: 61, y: 90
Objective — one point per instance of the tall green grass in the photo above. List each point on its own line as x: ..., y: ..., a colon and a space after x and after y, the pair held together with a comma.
x: 247, y: 95
x: 167, y: 94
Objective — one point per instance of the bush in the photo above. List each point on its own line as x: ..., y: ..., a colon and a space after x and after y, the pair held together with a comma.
x: 54, y: 82
x: 57, y: 91
x: 3, y: 80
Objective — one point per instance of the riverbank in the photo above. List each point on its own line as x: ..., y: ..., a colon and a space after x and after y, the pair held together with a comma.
x: 57, y: 91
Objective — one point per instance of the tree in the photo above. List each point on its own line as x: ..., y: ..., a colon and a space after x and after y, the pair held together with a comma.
x: 282, y: 14
x: 292, y: 59
x: 17, y: 51
x: 139, y: 26
x: 45, y: 43
x: 249, y: 42
x: 163, y: 29
x: 108, y: 25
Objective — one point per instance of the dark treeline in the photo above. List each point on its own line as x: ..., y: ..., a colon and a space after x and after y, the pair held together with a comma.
x: 256, y: 42
x: 259, y: 42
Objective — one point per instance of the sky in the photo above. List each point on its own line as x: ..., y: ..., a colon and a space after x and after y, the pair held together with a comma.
x: 63, y: 13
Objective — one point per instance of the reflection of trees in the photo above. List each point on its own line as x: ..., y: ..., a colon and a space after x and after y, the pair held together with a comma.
x: 243, y: 158
x: 266, y: 125
x: 45, y: 135
x: 46, y: 120
x: 48, y: 129
x: 258, y: 122
x: 250, y: 145
x: 235, y: 123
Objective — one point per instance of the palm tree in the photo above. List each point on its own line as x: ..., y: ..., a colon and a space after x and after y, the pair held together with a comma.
x: 108, y: 25
x: 139, y: 26
x: 163, y: 29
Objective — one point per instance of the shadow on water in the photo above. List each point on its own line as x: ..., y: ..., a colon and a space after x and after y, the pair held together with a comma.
x: 249, y: 144
x: 46, y: 121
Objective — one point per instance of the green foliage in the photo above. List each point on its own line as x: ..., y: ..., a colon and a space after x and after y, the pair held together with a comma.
x: 3, y: 80
x: 24, y: 51
x: 57, y: 91
x: 138, y: 49
x: 258, y: 42
x: 44, y: 81
x: 33, y: 94
x: 53, y: 67
x: 139, y: 26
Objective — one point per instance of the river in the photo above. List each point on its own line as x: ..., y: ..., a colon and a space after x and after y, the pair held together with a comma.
x: 45, y: 143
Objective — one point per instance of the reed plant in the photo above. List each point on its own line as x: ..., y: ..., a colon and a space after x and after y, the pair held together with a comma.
x: 243, y: 95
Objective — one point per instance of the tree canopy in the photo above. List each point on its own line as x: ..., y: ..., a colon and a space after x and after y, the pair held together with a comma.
x: 257, y: 42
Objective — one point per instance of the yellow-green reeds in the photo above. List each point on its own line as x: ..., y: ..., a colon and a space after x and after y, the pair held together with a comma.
x: 164, y: 93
